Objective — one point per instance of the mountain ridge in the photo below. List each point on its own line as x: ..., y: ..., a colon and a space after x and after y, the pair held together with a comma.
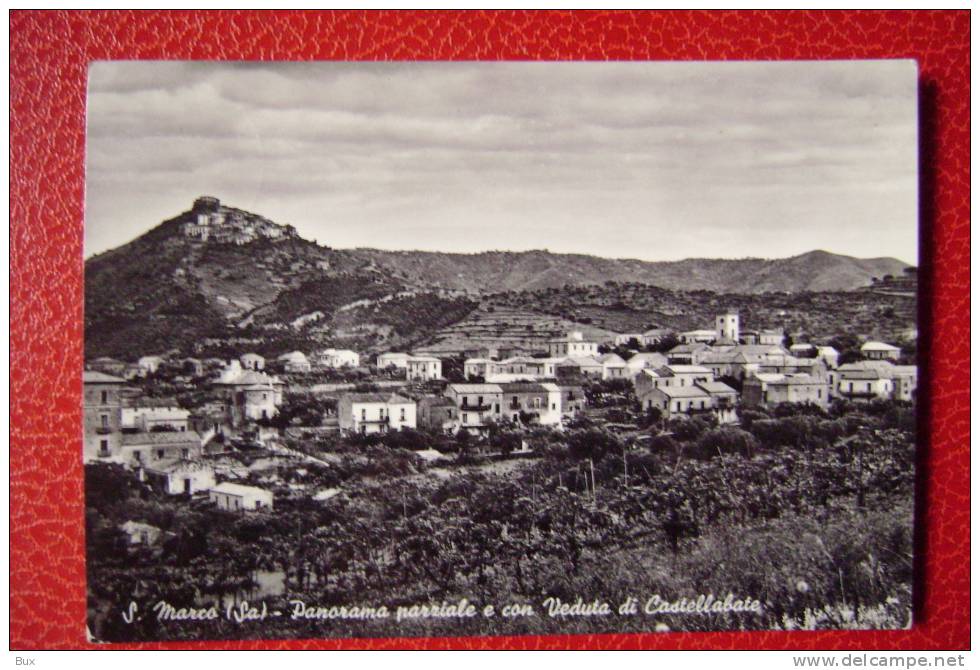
x: 192, y: 279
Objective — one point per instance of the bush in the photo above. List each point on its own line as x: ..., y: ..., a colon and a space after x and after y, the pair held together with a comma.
x: 721, y: 441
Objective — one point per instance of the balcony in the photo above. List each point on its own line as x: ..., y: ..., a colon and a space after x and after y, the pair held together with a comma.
x: 382, y: 421
x: 479, y: 407
x: 103, y: 430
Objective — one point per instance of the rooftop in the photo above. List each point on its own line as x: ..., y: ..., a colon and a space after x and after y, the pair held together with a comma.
x: 878, y: 346
x: 476, y: 388
x: 238, y: 489
x: 161, y: 438
x: 95, y: 377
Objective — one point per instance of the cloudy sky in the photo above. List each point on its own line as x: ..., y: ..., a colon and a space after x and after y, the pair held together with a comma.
x: 658, y: 161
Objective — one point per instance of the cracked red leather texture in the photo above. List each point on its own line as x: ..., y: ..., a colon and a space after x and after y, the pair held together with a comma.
x: 49, y: 55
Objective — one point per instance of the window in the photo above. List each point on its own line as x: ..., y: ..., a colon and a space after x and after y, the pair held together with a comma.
x: 402, y: 414
x: 105, y: 420
x: 105, y: 397
x: 138, y: 455
x: 159, y: 454
x: 103, y: 447
x: 363, y: 414
x: 466, y: 417
x: 185, y: 453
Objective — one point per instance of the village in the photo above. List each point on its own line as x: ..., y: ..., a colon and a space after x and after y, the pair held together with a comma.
x: 210, y: 448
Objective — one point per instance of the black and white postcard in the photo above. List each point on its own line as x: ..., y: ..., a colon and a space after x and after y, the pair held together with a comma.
x: 450, y: 349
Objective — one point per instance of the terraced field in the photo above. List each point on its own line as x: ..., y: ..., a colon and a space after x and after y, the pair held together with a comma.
x: 497, y: 327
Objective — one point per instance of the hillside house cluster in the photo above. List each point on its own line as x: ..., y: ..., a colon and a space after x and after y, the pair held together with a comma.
x: 210, y: 221
x: 158, y: 439
x: 687, y: 379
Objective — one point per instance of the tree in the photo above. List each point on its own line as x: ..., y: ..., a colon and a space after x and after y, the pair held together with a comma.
x: 593, y: 443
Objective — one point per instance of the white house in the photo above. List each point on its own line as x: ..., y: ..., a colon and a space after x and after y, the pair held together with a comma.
x: 644, y: 360
x: 367, y: 413
x: 711, y: 397
x: 829, y: 355
x: 252, y: 361
x: 477, y: 404
x: 613, y: 366
x: 393, y: 359
x: 864, y: 384
x: 145, y: 414
x: 702, y: 335
x: 249, y: 394
x: 295, y: 361
x: 879, y: 351
x: 573, y: 344
x: 140, y: 534
x: 476, y: 367
x: 423, y: 368
x: 339, y: 358
x: 624, y: 339
x: 149, y: 364
x: 240, y: 498
x: 181, y: 476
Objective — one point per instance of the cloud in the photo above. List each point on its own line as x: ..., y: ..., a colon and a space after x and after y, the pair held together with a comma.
x: 608, y: 158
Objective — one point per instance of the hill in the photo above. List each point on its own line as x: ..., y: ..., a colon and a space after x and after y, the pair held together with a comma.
x: 495, y: 271
x: 215, y: 279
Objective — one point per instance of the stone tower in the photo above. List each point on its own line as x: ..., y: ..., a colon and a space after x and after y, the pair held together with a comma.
x: 726, y: 326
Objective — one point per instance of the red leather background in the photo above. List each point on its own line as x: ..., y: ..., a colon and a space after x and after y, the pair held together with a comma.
x: 49, y: 54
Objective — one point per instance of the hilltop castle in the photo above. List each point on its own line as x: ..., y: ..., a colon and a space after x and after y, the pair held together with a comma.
x: 209, y: 220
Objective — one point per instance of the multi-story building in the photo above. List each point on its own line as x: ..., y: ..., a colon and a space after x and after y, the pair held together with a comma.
x: 152, y: 449
x: 613, y: 366
x: 700, y: 335
x: 437, y: 413
x: 767, y: 390
x: 476, y: 367
x: 671, y: 376
x: 295, y: 361
x: 339, y: 358
x: 579, y: 366
x: 102, y: 415
x: 644, y: 360
x: 864, y: 384
x: 368, y: 413
x: 573, y: 344
x: 690, y: 353
x: 423, y: 368
x: 478, y: 405
x: 249, y: 395
x: 531, y: 402
x: 145, y: 414
x: 701, y: 398
x: 393, y: 359
x: 879, y: 351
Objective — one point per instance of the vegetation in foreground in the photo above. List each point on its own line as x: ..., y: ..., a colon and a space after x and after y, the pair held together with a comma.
x: 808, y: 512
